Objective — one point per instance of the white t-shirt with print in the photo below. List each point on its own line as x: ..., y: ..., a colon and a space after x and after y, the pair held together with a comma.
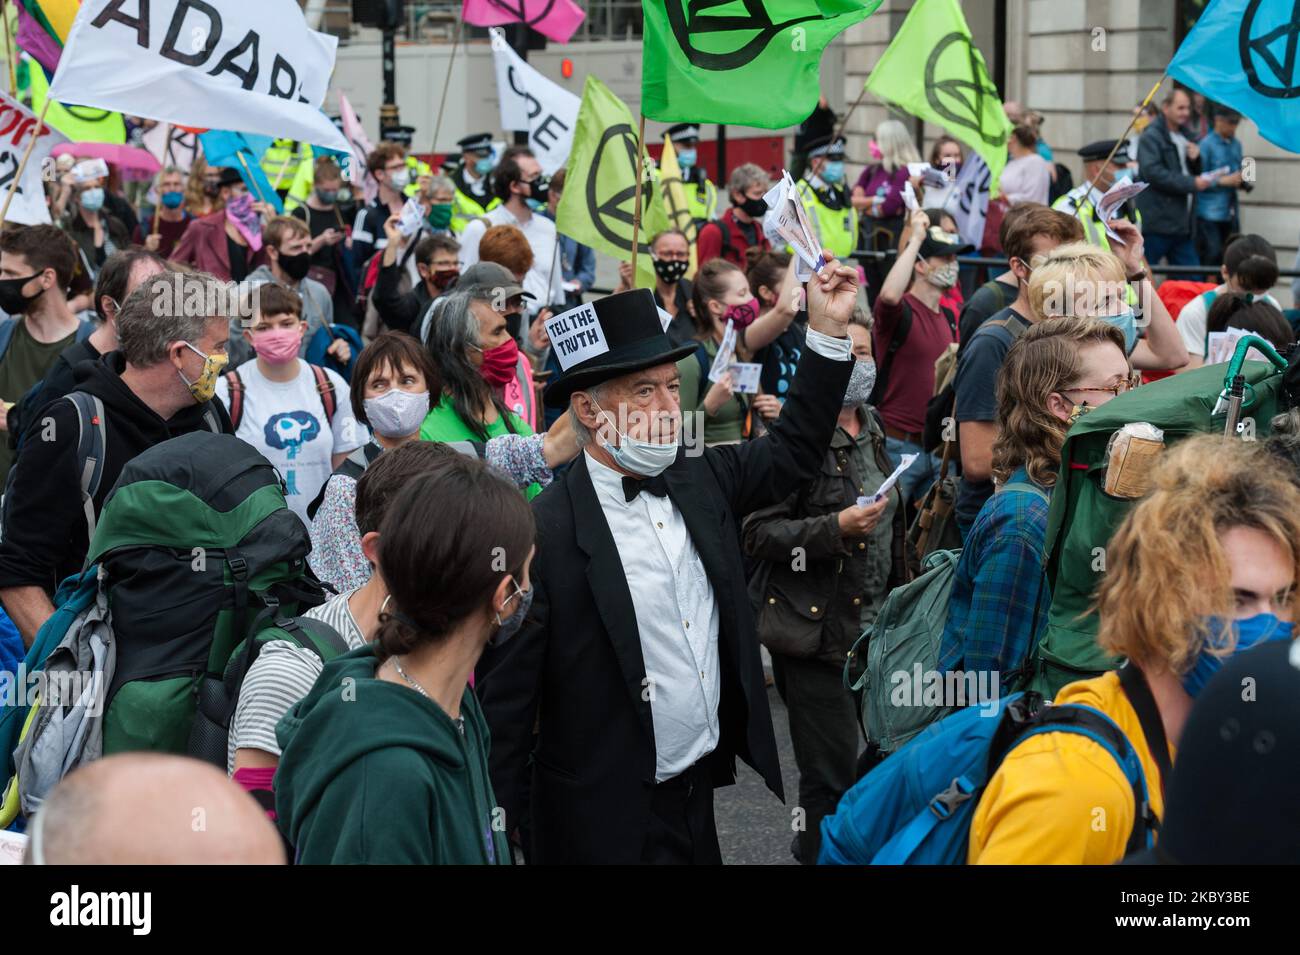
x: 286, y: 422
x: 1192, y: 320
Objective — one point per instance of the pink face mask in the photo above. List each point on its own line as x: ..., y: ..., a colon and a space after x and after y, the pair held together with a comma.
x: 742, y: 314
x: 278, y: 346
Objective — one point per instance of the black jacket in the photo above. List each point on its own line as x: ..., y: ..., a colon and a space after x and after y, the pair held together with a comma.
x: 1164, y: 205
x: 576, y: 671
x: 813, y: 584
x: 399, y: 311
x: 44, y: 524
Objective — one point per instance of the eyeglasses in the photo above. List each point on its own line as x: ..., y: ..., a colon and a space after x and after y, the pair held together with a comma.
x: 1114, y: 390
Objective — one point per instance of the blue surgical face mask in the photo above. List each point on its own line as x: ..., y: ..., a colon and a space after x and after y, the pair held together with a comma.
x: 645, y: 458
x: 173, y: 200
x: 483, y: 166
x: 92, y: 200
x: 686, y: 158
x: 1126, y: 322
x: 833, y: 172
x: 1250, y: 632
x: 1124, y: 175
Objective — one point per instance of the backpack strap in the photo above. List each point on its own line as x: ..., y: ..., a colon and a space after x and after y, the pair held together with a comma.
x: 325, y: 388
x: 235, y: 387
x: 1139, y: 696
x: 92, y: 440
x: 211, y: 418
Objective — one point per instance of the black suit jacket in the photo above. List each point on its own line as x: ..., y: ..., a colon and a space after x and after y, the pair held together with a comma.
x: 575, y: 672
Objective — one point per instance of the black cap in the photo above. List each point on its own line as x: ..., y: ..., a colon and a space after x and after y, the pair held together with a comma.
x: 490, y: 277
x: 1234, y: 795
x: 476, y: 143
x: 684, y: 132
x: 832, y: 149
x: 634, y: 332
x: 938, y: 242
x: 230, y: 176
x: 1095, y: 152
x: 402, y: 135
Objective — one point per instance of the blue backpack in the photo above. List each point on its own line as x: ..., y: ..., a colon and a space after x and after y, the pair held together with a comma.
x: 916, y: 807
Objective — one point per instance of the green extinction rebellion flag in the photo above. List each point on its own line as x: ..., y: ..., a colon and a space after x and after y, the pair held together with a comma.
x: 749, y: 62
x: 932, y: 70
x: 600, y: 186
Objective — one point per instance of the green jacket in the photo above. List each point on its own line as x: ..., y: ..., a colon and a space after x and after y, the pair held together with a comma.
x: 442, y: 423
x: 373, y: 772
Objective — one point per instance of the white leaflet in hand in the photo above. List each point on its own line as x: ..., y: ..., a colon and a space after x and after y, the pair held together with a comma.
x: 726, y: 353
x: 1109, y: 204
x: 909, y: 197
x: 917, y: 168
x: 412, y: 217
x: 664, y: 318
x: 576, y: 335
x: 810, y: 233
x: 887, y: 484
x: 934, y: 178
x: 89, y: 170
x: 1215, y: 175
x: 786, y: 223
x: 744, y: 377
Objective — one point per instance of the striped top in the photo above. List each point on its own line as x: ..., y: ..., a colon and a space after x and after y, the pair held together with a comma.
x: 282, y: 674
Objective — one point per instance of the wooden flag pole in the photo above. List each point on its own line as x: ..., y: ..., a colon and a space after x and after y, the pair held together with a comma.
x: 284, y: 167
x: 167, y: 155
x: 845, y: 121
x: 10, y: 51
x: 1114, y: 149
x: 27, y: 154
x: 442, y: 102
x: 247, y: 172
x: 640, y: 177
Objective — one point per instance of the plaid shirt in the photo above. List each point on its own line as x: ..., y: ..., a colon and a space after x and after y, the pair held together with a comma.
x: 1000, y: 595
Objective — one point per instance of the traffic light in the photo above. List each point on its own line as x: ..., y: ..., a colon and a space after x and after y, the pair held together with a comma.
x: 384, y: 14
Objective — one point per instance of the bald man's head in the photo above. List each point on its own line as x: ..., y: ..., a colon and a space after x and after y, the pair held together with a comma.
x: 153, y: 809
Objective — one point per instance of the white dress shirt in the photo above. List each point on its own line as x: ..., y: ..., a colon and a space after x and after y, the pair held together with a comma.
x: 676, y: 611
x: 545, y: 280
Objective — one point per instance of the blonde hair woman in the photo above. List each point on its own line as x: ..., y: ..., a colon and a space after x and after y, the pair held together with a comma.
x: 1080, y: 280
x: 1202, y: 568
x: 1000, y: 595
x: 878, y: 195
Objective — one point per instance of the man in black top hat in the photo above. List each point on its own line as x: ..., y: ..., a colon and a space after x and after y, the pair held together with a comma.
x: 473, y: 182
x: 636, y: 681
x: 826, y: 196
x: 701, y: 193
x: 1081, y: 201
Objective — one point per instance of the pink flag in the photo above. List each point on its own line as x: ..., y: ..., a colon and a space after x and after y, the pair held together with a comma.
x: 361, y: 149
x: 555, y: 19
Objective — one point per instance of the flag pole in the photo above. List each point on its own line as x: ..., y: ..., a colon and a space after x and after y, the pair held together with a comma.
x: 167, y: 155
x: 1114, y: 149
x: 442, y: 102
x: 247, y: 172
x: 845, y: 121
x: 11, y: 51
x: 640, y: 177
x: 27, y: 154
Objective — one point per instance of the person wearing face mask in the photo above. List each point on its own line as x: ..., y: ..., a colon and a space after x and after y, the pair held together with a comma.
x: 701, y: 193
x: 97, y: 232
x: 912, y: 330
x: 393, y: 379
x: 387, y: 166
x: 519, y: 183
x: 476, y: 358
x: 854, y: 556
x: 331, y: 245
x: 1000, y: 596
x: 170, y: 214
x: 404, y: 777
x: 1232, y: 517
x: 826, y: 196
x: 1081, y: 201
x: 297, y: 414
x: 741, y: 226
x: 671, y: 253
x: 1031, y: 231
x: 224, y: 242
x: 157, y: 385
x: 286, y: 250
x: 641, y: 599
x: 437, y: 264
x: 472, y: 178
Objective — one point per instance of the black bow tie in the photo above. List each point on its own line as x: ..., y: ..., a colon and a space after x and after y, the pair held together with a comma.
x: 655, y: 485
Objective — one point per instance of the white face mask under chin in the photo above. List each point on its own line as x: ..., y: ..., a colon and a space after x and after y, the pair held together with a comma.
x: 644, y: 458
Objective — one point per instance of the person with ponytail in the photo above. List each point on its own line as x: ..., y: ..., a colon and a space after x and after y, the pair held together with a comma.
x: 386, y: 759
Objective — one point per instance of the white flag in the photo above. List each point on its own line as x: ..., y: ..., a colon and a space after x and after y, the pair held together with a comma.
x: 361, y: 148
x: 530, y: 101
x: 254, y: 67
x: 969, y: 203
x: 17, y: 127
x: 180, y: 152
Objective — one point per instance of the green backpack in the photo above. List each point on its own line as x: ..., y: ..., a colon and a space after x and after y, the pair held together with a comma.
x: 198, y: 550
x: 1083, y: 517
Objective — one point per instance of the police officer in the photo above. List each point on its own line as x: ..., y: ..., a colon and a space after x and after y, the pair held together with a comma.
x: 473, y: 183
x: 701, y: 193
x: 826, y: 197
x: 282, y: 160
x: 1081, y: 201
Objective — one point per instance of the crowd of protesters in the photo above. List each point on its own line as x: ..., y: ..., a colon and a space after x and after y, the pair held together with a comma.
x: 578, y: 697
